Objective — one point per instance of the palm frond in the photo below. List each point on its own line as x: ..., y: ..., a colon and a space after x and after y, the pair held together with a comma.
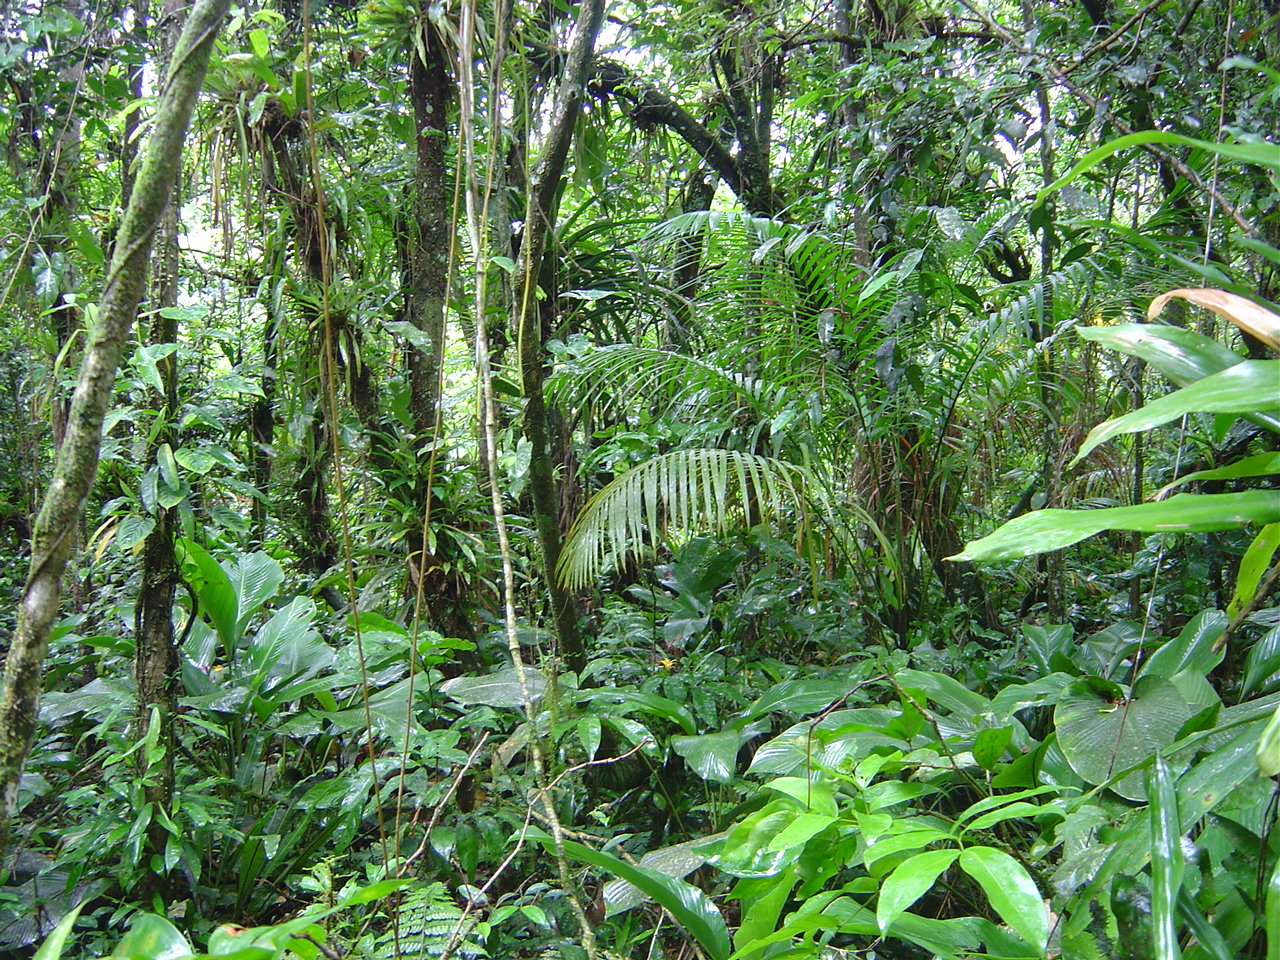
x: 685, y: 490
x: 625, y: 372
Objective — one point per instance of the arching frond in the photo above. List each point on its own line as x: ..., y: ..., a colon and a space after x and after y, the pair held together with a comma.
x: 660, y: 377
x: 685, y: 490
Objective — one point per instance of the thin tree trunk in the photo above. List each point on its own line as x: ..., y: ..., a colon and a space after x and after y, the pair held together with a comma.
x: 528, y: 322
x: 77, y: 463
x: 155, y: 662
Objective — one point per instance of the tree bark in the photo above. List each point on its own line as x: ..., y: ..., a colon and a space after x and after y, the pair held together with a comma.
x: 54, y: 531
x: 528, y: 321
x: 429, y: 239
x: 155, y: 662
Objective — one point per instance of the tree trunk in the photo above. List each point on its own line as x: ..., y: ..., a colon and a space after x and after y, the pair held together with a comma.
x: 63, y: 507
x: 528, y: 322
x: 155, y: 662
x: 429, y: 238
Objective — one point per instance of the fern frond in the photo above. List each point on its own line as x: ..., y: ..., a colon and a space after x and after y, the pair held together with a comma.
x: 685, y: 490
x: 427, y: 922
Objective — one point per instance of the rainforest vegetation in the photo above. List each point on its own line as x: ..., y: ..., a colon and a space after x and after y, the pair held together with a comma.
x: 721, y: 479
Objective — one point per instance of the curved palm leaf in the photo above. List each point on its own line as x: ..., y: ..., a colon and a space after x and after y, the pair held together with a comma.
x: 685, y: 490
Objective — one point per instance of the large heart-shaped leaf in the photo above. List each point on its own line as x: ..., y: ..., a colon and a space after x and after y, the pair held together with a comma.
x: 1102, y: 731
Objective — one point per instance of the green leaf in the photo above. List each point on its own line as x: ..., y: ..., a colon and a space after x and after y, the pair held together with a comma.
x: 687, y: 905
x: 801, y: 696
x: 1259, y: 465
x: 501, y: 689
x: 800, y: 831
x: 678, y: 861
x: 1043, y: 530
x: 56, y: 942
x: 256, y: 578
x: 1253, y: 565
x: 1260, y: 154
x: 1167, y: 864
x: 684, y: 490
x: 909, y: 882
x: 260, y: 44
x: 1103, y: 733
x: 713, y: 756
x: 217, y: 596
x: 132, y: 530
x: 168, y: 466
x: 650, y: 702
x: 152, y: 938
x: 1243, y: 388
x: 1267, y: 753
x: 1011, y: 891
x: 1262, y: 662
x: 1191, y: 649
x: 989, y: 746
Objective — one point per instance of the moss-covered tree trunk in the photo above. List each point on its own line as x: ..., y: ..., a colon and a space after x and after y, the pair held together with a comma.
x: 54, y: 532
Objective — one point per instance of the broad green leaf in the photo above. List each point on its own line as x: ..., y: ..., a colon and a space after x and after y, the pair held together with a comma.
x: 589, y: 734
x: 650, y: 702
x: 1011, y: 892
x: 800, y: 696
x: 1181, y: 354
x: 687, y: 905
x: 677, y: 861
x: 1260, y: 154
x: 990, y: 744
x: 256, y: 578
x: 1167, y: 864
x: 911, y: 839
x: 1259, y: 465
x: 908, y: 883
x: 218, y: 599
x: 152, y: 938
x: 1191, y: 649
x: 713, y: 756
x: 945, y: 691
x: 56, y: 942
x: 819, y: 795
x: 1243, y: 388
x: 501, y: 689
x: 132, y: 530
x: 1253, y: 565
x: 1262, y: 662
x: 1045, y: 530
x: 1103, y: 732
x: 801, y: 830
